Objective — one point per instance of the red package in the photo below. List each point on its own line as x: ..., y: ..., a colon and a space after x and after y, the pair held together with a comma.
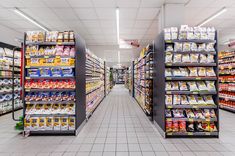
x: 175, y: 127
x: 168, y: 126
x: 182, y: 126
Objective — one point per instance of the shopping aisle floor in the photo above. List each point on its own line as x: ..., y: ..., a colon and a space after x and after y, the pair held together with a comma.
x: 118, y: 127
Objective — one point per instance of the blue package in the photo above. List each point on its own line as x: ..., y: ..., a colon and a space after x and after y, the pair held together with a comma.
x: 45, y: 72
x: 56, y: 72
x: 33, y: 73
x: 67, y: 72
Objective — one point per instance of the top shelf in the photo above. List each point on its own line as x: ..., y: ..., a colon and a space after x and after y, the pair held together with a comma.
x: 195, y: 41
x: 50, y: 43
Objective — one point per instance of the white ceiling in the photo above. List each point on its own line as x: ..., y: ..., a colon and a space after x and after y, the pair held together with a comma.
x: 95, y: 20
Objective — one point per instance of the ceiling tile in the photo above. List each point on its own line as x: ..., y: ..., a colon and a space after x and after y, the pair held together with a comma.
x: 142, y: 23
x: 108, y: 23
x: 104, y: 3
x: 80, y: 3
x: 86, y: 13
x: 95, y: 31
x: 56, y: 3
x: 147, y: 13
x: 199, y: 3
x: 128, y: 3
x: 32, y: 3
x: 11, y: 3
x: 126, y: 24
x: 138, y: 31
x: 41, y: 13
x: 152, y: 3
x: 65, y: 13
x: 7, y: 14
x: 106, y: 13
x: 91, y: 23
x: 128, y: 13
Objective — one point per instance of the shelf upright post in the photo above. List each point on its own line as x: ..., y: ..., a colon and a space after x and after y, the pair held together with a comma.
x: 80, y: 77
x: 105, y: 79
x: 133, y: 78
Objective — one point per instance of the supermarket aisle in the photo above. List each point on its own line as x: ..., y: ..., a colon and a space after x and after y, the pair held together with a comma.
x: 118, y: 127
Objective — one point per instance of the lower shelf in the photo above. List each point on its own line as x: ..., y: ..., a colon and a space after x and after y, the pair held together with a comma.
x: 227, y: 108
x: 53, y: 132
x: 192, y: 134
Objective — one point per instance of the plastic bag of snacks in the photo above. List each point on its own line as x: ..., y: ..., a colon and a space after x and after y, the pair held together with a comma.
x: 176, y: 100
x: 211, y: 33
x: 178, y: 47
x: 168, y: 99
x: 182, y: 126
x: 177, y: 58
x: 167, y: 34
x: 174, y: 33
x: 168, y: 126
x: 175, y: 126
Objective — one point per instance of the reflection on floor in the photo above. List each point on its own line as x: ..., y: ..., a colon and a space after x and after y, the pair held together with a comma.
x: 118, y: 127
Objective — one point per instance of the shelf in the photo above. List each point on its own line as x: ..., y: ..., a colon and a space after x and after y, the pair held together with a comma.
x: 195, y: 41
x: 49, y: 102
x: 191, y: 78
x: 192, y: 119
x: 227, y: 108
x: 192, y: 134
x: 48, y: 90
x: 190, y: 64
x: 51, y: 132
x: 191, y: 106
x: 191, y: 52
x: 192, y: 92
x: 50, y: 43
x: 28, y: 67
x: 9, y: 77
x: 49, y: 56
x: 39, y: 78
x: 226, y: 98
x: 10, y: 92
x: 89, y: 92
x: 54, y: 115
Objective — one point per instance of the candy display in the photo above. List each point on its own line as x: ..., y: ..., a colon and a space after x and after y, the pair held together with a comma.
x: 50, y: 62
x: 48, y: 84
x: 143, y: 79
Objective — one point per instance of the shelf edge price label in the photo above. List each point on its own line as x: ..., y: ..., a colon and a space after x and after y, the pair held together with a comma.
x: 194, y: 92
x: 207, y: 133
x: 59, y: 43
x: 198, y: 78
x: 190, y: 120
x: 27, y: 102
x: 27, y: 56
x: 27, y: 78
x: 57, y: 57
x: 169, y: 133
x: 46, y: 56
x: 27, y: 89
x: 168, y: 92
x: 208, y: 120
x: 195, y: 106
x: 190, y: 133
x: 169, y: 64
x: 169, y: 78
x: 27, y: 66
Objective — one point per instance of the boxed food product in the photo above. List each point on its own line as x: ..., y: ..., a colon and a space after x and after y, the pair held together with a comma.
x: 71, y: 123
x: 27, y: 124
x: 176, y: 100
x: 34, y: 123
x: 177, y: 58
x: 42, y: 123
x: 49, y: 123
x: 64, y: 123
x: 178, y: 113
x: 168, y: 99
x: 57, y: 123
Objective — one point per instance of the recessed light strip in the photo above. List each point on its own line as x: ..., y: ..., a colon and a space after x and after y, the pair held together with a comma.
x: 223, y: 10
x: 22, y: 14
x: 117, y: 22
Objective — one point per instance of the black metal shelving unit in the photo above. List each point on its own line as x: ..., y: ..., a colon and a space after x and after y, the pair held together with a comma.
x: 10, y: 71
x: 67, y: 123
x: 159, y: 91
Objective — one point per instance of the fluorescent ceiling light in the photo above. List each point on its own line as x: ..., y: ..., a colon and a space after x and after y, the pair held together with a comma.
x: 22, y: 14
x: 117, y: 22
x: 223, y: 10
x: 119, y: 58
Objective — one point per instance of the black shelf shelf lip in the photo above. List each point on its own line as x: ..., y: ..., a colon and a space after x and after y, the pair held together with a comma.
x: 65, y: 77
x: 221, y: 81
x: 50, y: 102
x: 52, y: 131
x: 192, y: 119
x: 192, y: 106
x: 191, y: 52
x: 192, y: 92
x: 191, y: 133
x: 227, y: 108
x: 10, y: 92
x: 191, y: 78
x: 48, y: 90
x: 49, y: 56
x: 27, y: 67
x: 195, y: 41
x: 49, y: 43
x: 54, y: 115
x: 226, y: 98
x: 139, y: 90
x: 191, y: 64
x: 9, y: 77
x: 91, y: 91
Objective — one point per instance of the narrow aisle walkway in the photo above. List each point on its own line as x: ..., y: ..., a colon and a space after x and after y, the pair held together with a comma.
x: 117, y: 128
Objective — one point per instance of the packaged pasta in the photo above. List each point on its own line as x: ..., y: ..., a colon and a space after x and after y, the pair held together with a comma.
x: 201, y: 71
x: 178, y: 47
x: 168, y: 99
x: 197, y: 33
x: 202, y: 47
x: 193, y: 46
x: 192, y: 100
x: 184, y: 72
x: 208, y: 100
x: 168, y: 72
x: 190, y: 33
x: 210, y: 71
x: 194, y: 58
x: 193, y: 71
x: 192, y: 86
x: 176, y: 100
x: 169, y: 48
x: 210, y: 58
x: 184, y: 100
x: 210, y: 85
x: 186, y: 46
x: 204, y: 33
x: 177, y: 58
x: 203, y: 58
x: 169, y: 58
x: 183, y: 85
x: 174, y: 85
x: 201, y: 86
x: 186, y: 58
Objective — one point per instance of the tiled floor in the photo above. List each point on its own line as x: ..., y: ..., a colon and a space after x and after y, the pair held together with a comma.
x: 117, y: 128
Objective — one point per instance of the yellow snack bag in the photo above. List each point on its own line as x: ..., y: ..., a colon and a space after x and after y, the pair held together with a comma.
x: 71, y: 123
x: 42, y: 123
x: 64, y: 123
x: 57, y: 123
x: 34, y: 123
x: 49, y: 123
x: 27, y: 124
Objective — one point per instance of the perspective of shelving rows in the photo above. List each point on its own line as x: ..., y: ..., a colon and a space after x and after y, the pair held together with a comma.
x: 9, y: 79
x: 226, y: 80
x: 143, y: 83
